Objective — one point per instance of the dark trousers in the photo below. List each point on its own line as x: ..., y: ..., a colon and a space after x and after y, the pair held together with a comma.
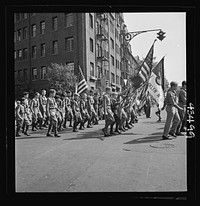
x: 147, y: 110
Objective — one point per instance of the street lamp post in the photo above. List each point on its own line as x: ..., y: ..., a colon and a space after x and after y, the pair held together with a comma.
x: 130, y: 35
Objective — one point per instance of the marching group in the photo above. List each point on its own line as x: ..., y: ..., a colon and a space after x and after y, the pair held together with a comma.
x: 81, y: 111
x: 85, y: 110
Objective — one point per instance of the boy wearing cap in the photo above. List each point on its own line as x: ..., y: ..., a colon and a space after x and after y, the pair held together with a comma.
x: 19, y: 111
x: 36, y: 113
x: 68, y: 109
x: 52, y: 113
x: 43, y: 105
x: 76, y: 112
x: 109, y: 116
x: 83, y: 109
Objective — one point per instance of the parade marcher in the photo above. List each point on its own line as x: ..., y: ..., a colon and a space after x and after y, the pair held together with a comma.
x: 58, y: 111
x: 76, y: 112
x: 172, y: 121
x: 158, y: 113
x: 96, y: 106
x: 52, y: 113
x: 101, y: 114
x: 147, y: 106
x: 83, y: 109
x: 43, y: 105
x: 91, y: 110
x: 62, y: 111
x: 182, y: 103
x: 114, y: 106
x: 36, y: 113
x: 26, y: 102
x: 68, y: 109
x: 109, y: 116
x: 19, y: 112
x: 128, y: 110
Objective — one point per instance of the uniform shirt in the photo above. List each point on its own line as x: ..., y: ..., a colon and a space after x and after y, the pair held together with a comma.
x: 182, y: 97
x: 76, y: 106
x: 171, y: 98
x: 106, y: 102
x: 20, y: 111
x: 83, y: 105
x: 52, y: 103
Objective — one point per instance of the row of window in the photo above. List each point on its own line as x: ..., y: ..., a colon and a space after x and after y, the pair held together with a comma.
x: 22, y: 75
x: 22, y: 33
x: 21, y: 54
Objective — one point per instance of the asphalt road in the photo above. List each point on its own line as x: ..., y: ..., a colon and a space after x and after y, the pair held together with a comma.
x: 138, y: 160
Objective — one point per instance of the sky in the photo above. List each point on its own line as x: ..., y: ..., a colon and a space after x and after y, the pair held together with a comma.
x: 173, y: 47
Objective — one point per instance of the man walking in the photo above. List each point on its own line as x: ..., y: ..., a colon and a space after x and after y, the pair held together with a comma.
x: 182, y: 104
x: 172, y: 107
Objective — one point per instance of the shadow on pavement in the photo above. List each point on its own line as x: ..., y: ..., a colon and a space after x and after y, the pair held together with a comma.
x: 31, y: 137
x: 157, y: 137
x: 87, y: 135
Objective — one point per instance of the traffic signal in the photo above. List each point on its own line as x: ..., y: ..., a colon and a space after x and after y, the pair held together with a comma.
x: 161, y: 35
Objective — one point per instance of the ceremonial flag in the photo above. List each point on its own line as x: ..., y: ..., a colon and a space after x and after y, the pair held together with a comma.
x: 82, y: 84
x: 156, y: 83
x: 146, y: 66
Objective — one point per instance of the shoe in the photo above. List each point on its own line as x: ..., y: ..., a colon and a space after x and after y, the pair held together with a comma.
x: 118, y: 131
x: 70, y: 125
x: 49, y: 135
x: 166, y: 138
x: 89, y: 126
x: 57, y: 135
x: 34, y: 129
x: 81, y: 128
x: 25, y: 133
x: 172, y: 134
x: 112, y: 133
x: 179, y: 134
x: 18, y: 135
x: 75, y: 130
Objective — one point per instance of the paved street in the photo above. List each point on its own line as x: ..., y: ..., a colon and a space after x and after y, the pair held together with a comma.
x: 138, y: 160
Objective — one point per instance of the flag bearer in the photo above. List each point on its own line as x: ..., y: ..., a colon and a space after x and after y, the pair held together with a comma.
x: 52, y: 113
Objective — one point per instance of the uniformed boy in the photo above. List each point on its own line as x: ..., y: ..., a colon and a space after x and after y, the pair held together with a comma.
x: 172, y: 121
x: 68, y: 109
x: 109, y: 116
x: 43, y: 105
x: 83, y: 109
x: 76, y: 112
x: 36, y: 113
x: 19, y: 112
x: 52, y: 113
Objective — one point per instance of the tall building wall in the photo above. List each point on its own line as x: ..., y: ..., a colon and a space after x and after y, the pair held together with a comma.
x: 91, y: 40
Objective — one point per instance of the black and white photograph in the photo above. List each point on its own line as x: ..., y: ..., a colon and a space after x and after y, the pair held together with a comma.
x: 100, y: 102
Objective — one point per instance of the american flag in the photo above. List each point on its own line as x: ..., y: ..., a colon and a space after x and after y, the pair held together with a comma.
x: 146, y: 67
x: 82, y: 84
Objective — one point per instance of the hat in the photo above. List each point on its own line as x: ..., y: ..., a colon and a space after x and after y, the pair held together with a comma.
x: 52, y: 90
x: 25, y: 93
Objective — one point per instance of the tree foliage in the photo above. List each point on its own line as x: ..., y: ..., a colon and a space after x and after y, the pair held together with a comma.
x: 61, y: 77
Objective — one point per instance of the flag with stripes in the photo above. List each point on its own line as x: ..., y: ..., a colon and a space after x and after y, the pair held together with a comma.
x: 142, y: 95
x: 82, y: 84
x: 146, y: 67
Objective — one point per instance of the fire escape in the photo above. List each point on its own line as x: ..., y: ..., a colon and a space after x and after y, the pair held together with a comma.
x: 103, y: 54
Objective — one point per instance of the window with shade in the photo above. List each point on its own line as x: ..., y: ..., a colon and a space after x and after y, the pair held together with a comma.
x: 33, y: 30
x: 24, y: 54
x: 91, y: 45
x: 55, y: 23
x: 25, y: 34
x: 42, y: 50
x: 42, y: 27
x: 68, y: 19
x: 112, y: 77
x: 43, y: 72
x: 33, y: 52
x: 69, y: 44
x: 55, y: 47
x: 91, y: 20
x: 92, y: 69
x: 34, y: 73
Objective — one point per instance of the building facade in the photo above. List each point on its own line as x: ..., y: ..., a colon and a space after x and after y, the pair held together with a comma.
x: 92, y: 40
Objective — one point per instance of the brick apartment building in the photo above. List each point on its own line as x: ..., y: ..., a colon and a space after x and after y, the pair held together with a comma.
x: 92, y: 40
